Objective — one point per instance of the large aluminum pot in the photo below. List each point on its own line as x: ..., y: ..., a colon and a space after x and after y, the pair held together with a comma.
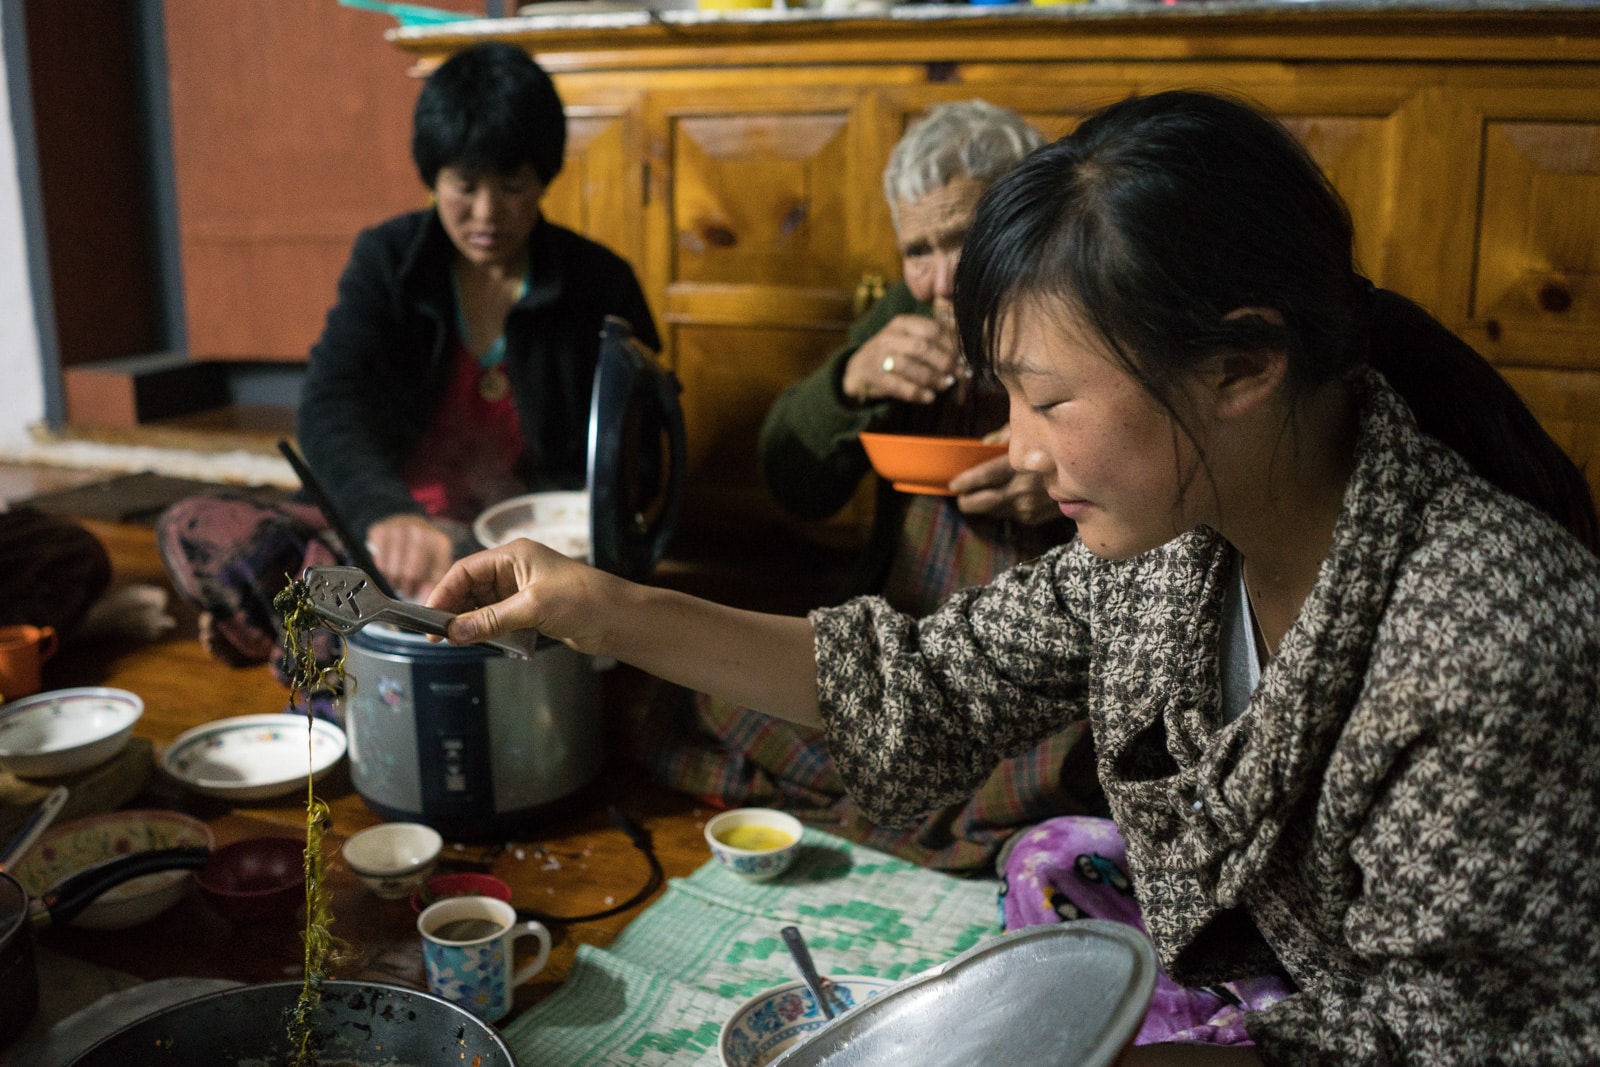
x: 1043, y: 996
x: 358, y: 1023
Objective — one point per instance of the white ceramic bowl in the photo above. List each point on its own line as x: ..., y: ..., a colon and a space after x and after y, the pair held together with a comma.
x: 252, y: 757
x: 68, y: 848
x: 393, y: 858
x: 771, y: 1022
x: 754, y: 843
x: 66, y: 730
x: 557, y: 519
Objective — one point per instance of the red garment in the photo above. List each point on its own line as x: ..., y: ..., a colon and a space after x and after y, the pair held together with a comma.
x: 467, y: 458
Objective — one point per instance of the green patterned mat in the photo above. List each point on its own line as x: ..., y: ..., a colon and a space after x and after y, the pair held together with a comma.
x: 660, y: 992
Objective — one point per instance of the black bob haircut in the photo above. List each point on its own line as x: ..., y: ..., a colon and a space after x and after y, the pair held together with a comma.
x: 489, y: 109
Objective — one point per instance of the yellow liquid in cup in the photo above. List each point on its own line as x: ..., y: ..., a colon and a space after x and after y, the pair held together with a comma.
x: 755, y: 838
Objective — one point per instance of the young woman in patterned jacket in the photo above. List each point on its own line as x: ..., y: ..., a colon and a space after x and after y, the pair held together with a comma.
x: 1331, y: 610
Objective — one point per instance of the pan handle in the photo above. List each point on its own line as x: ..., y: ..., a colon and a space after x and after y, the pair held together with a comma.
x: 65, y: 900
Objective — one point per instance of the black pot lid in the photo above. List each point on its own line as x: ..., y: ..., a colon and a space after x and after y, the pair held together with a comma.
x: 637, y: 453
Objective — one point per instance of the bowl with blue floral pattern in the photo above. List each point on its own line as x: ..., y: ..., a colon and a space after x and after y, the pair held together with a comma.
x: 772, y: 1022
x: 757, y: 844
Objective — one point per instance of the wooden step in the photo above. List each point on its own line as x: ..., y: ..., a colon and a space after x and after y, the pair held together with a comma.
x: 133, y: 390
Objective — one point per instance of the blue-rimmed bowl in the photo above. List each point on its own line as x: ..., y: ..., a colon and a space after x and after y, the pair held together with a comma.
x: 770, y: 1022
x: 66, y: 730
x: 754, y: 843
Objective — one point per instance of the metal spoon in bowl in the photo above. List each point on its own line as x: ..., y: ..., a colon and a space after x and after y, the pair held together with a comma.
x: 808, y: 970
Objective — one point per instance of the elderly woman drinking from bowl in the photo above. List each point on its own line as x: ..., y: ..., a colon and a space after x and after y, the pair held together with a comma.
x: 899, y: 371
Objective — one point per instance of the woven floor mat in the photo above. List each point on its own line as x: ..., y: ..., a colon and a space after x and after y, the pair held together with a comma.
x: 658, y: 995
x: 139, y: 498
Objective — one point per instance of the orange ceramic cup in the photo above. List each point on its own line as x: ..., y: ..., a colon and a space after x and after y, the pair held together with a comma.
x: 23, y: 650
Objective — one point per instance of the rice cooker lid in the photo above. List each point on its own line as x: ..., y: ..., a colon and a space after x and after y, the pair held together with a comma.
x: 636, y: 455
x: 380, y: 637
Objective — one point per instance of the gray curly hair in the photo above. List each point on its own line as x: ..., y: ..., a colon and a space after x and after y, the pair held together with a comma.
x: 967, y: 138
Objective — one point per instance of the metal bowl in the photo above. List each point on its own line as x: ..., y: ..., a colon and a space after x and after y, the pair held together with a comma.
x: 357, y: 1023
x: 1039, y: 997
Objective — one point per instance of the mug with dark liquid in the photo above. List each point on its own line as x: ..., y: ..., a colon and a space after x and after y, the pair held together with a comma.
x: 467, y: 949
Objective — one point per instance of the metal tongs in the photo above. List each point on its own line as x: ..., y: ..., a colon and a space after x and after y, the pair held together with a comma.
x: 347, y: 599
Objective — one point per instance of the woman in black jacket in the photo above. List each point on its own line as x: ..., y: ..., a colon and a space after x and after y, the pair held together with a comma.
x: 454, y: 370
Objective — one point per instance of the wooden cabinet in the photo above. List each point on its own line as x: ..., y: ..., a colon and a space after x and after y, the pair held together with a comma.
x: 738, y: 164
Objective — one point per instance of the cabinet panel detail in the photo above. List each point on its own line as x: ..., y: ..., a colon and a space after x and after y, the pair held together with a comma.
x: 730, y: 376
x: 1466, y: 150
x: 1567, y: 404
x: 757, y: 196
x: 1538, y: 270
x: 1357, y: 154
x: 597, y: 191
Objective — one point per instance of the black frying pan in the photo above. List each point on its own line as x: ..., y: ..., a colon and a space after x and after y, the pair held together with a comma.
x: 19, y: 977
x: 20, y: 913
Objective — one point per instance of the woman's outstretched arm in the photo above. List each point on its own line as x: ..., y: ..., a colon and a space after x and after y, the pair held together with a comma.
x: 757, y: 660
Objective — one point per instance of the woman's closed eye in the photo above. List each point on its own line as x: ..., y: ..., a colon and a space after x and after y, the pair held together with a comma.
x: 1043, y: 406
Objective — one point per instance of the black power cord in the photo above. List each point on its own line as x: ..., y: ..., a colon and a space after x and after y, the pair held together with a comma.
x: 641, y: 841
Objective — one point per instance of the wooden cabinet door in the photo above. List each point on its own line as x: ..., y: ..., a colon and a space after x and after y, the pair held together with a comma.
x: 1535, y: 295
x: 599, y: 190
x: 1348, y: 121
x: 1533, y: 303
x: 760, y: 220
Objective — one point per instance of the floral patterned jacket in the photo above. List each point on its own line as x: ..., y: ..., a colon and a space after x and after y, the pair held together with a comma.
x: 1406, y: 819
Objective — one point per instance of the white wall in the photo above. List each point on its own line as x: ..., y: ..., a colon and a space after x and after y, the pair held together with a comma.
x: 21, y: 376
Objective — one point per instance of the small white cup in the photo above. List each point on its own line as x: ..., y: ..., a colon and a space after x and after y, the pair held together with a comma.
x: 467, y: 950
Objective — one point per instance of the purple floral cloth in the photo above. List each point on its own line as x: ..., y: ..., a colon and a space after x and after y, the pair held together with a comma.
x: 1076, y: 867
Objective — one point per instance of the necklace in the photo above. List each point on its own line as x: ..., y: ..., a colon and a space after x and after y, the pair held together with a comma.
x: 494, y: 384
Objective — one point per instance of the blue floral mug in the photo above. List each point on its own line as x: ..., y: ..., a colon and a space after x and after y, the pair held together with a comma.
x: 467, y: 949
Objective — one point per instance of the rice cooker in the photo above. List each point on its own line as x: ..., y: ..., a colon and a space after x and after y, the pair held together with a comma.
x: 483, y: 746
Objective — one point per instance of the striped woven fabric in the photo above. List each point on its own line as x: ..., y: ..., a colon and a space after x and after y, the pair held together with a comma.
x: 657, y: 996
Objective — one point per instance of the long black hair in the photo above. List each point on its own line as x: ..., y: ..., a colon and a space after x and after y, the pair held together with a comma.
x: 1161, y: 214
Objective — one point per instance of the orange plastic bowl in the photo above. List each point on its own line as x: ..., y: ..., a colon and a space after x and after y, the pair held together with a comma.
x: 915, y: 463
